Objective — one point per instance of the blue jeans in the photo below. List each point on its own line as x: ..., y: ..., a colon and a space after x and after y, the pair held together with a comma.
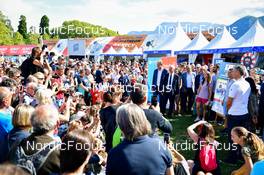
x: 234, y: 121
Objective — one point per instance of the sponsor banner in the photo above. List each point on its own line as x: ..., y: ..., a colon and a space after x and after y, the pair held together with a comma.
x: 152, y: 65
x: 16, y: 50
x: 221, y: 84
x: 76, y: 47
x: 61, y: 47
x: 218, y: 60
x: 219, y: 95
x: 96, y: 46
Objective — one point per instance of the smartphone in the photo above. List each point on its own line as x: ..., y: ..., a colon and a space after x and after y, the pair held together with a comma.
x: 44, y: 47
x: 166, y: 138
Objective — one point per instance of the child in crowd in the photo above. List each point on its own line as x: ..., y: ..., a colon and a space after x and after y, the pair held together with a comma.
x: 205, y: 162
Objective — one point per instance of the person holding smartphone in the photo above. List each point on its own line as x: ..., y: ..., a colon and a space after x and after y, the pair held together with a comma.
x: 33, y: 64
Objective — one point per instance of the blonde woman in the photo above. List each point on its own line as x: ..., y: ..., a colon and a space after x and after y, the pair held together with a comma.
x: 21, y: 123
x: 44, y: 97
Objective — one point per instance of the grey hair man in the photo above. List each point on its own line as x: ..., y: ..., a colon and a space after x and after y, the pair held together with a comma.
x: 45, y: 121
x: 28, y: 98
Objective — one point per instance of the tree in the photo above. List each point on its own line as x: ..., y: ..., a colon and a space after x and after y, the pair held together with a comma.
x: 32, y: 39
x: 46, y: 36
x: 54, y: 34
x: 6, y: 21
x: 18, y: 38
x: 79, y: 29
x: 22, y: 27
x: 5, y: 35
x: 44, y: 25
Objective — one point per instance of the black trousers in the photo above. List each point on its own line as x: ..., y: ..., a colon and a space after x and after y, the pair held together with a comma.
x: 234, y: 121
x: 87, y: 98
x: 162, y: 103
x: 171, y: 97
x: 187, y: 95
x: 161, y: 96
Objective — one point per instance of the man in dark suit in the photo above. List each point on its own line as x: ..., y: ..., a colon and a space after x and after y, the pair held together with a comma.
x: 158, y: 85
x: 172, y: 88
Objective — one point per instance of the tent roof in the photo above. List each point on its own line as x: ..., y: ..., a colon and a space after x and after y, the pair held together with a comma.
x: 251, y: 41
x: 222, y: 40
x: 123, y: 51
x: 170, y: 41
x: 136, y: 51
x: 195, y: 45
x: 110, y: 51
x: 253, y: 37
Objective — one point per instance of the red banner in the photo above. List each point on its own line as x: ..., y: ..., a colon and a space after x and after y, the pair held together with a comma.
x: 167, y: 61
x: 129, y: 42
x: 16, y: 50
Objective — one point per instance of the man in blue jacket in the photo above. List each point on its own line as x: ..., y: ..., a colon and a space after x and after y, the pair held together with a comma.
x: 187, y: 90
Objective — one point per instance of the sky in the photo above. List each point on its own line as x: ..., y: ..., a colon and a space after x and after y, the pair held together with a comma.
x: 130, y: 15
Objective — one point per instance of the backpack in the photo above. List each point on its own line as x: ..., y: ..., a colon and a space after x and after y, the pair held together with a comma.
x: 207, y: 156
x: 117, y: 137
x: 32, y: 163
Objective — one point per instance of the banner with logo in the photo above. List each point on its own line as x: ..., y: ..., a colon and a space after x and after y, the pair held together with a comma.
x: 97, y: 45
x: 152, y: 65
x: 16, y: 50
x: 219, y: 95
x: 224, y: 67
x: 61, y: 48
x: 77, y: 47
x: 248, y: 60
x: 218, y: 60
x: 221, y: 84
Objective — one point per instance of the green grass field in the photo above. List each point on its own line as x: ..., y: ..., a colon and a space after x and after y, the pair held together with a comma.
x: 180, y: 135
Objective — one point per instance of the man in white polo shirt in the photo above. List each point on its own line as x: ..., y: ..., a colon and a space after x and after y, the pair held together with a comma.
x: 237, y: 105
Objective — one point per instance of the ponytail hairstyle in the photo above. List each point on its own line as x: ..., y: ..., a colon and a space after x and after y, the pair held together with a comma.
x: 207, y: 132
x: 252, y: 140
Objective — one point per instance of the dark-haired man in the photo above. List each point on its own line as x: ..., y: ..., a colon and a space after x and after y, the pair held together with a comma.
x: 33, y: 64
x: 156, y: 120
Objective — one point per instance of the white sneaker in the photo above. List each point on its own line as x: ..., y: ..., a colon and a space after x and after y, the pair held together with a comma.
x: 197, y: 119
x: 202, y: 119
